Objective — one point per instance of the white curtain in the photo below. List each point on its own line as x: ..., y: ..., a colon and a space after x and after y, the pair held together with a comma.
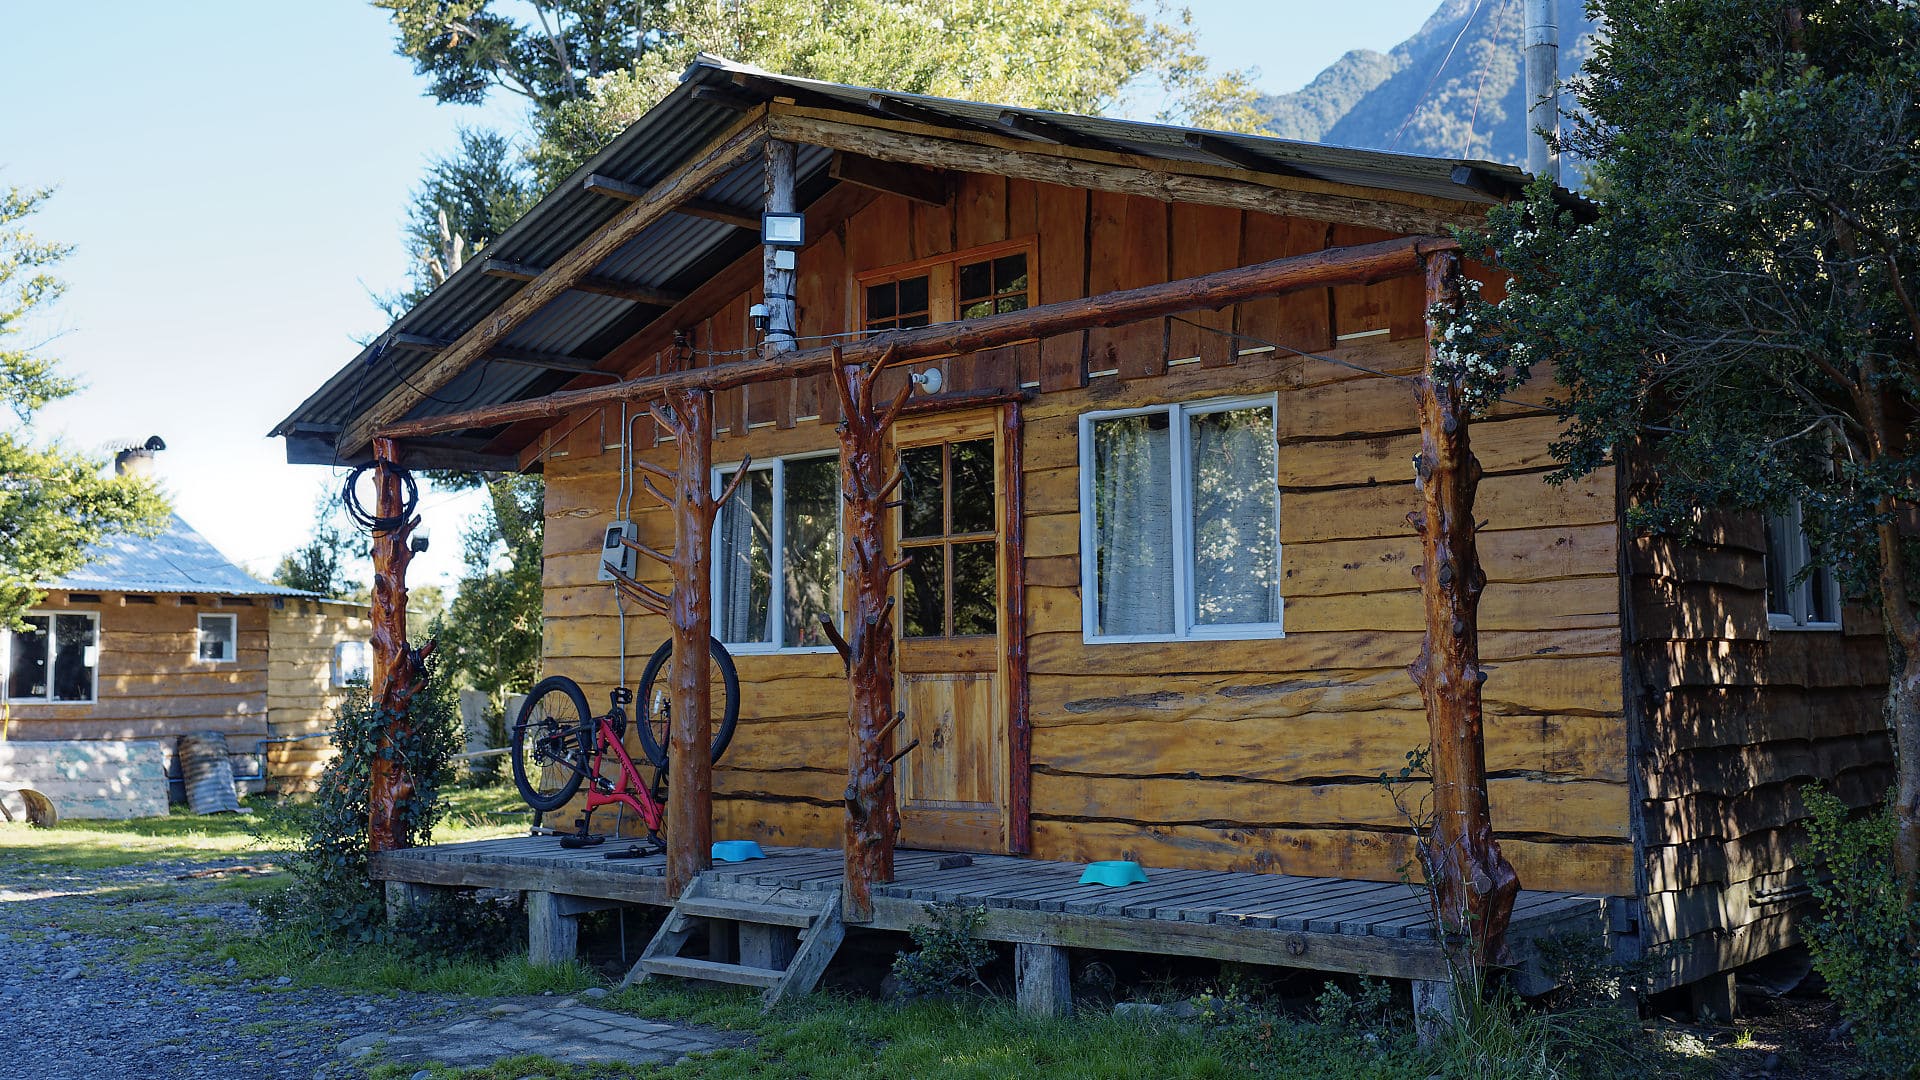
x: 741, y: 600
x: 1230, y: 465
x: 1133, y: 525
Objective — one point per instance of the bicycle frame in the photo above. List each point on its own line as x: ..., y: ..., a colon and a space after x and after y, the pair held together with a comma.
x: 602, y: 792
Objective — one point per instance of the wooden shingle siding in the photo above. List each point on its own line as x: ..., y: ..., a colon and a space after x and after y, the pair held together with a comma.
x: 1735, y: 720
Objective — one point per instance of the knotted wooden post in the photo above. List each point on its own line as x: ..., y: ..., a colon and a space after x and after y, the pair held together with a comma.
x: 1473, y: 884
x: 867, y: 481
x: 689, y: 749
x: 398, y: 672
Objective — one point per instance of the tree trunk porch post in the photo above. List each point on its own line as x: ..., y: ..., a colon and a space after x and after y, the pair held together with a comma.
x: 689, y: 754
x: 1472, y: 882
x: 396, y: 674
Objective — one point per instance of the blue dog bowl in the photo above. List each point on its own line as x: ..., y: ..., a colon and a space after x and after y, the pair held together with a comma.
x: 1113, y: 874
x: 736, y: 851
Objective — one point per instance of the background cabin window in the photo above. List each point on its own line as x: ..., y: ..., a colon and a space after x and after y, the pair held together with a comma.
x: 782, y: 525
x: 352, y: 663
x: 53, y: 658
x: 899, y: 305
x: 1180, y: 522
x: 218, y: 638
x: 1813, y: 601
x: 993, y: 286
x: 947, y: 527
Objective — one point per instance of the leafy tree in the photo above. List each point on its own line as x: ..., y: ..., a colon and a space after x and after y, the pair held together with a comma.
x: 590, y: 69
x: 1741, y: 302
x: 491, y: 632
x: 54, y: 502
x: 466, y: 200
x: 329, y: 563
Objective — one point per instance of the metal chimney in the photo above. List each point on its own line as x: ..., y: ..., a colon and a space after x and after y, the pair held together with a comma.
x: 1543, y: 88
x: 137, y: 459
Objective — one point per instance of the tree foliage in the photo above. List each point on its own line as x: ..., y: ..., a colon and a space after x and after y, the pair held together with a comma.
x: 331, y: 561
x: 55, y: 502
x: 1739, y: 305
x: 468, y: 197
x: 491, y: 632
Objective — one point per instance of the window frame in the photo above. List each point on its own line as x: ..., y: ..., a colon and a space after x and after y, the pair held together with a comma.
x: 53, y: 635
x: 233, y: 637
x: 1800, y: 593
x: 1181, y: 506
x: 943, y: 277
x: 777, y: 555
x: 339, y: 677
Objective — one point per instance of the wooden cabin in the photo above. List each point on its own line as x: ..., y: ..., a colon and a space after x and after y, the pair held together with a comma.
x: 1161, y: 602
x: 156, y: 638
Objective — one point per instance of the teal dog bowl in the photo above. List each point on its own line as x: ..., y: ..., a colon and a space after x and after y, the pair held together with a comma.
x: 1113, y: 874
x: 736, y: 851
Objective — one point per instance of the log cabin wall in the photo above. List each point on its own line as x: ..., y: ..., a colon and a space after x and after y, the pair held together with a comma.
x: 1230, y: 754
x: 302, y: 695
x: 1733, y: 720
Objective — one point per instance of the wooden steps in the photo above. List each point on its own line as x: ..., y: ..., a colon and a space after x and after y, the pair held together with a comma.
x: 749, y: 938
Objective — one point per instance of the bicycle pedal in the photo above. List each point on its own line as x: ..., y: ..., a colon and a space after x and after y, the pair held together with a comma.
x: 636, y: 851
x: 575, y: 840
x: 603, y: 786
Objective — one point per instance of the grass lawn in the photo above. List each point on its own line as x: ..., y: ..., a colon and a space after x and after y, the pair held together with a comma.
x: 471, y: 814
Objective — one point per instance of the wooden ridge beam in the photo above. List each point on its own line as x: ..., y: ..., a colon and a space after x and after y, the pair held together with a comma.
x: 1042, y: 130
x: 600, y: 286
x: 700, y: 170
x: 917, y: 144
x: 1363, y: 264
x: 1232, y: 153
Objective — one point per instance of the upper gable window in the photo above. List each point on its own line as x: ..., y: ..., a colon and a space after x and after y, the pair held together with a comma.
x: 989, y: 280
x: 1800, y: 595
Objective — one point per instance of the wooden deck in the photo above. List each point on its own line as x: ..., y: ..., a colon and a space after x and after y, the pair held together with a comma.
x: 1324, y: 924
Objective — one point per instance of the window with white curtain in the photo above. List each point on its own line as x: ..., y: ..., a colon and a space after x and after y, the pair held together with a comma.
x: 781, y: 526
x: 53, y: 658
x: 1180, y: 522
x: 1800, y: 596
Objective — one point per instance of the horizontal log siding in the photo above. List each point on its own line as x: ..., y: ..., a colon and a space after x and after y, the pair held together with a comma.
x: 1237, y: 754
x: 301, y: 697
x: 1735, y: 720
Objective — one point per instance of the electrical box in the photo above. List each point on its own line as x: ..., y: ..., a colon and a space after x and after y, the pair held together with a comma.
x: 619, y: 555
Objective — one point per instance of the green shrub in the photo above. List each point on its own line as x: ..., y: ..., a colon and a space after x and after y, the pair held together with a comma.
x: 1865, y: 941
x: 950, y: 953
x: 330, y: 893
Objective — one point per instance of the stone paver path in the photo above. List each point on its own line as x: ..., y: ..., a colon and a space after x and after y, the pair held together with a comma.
x: 565, y: 1030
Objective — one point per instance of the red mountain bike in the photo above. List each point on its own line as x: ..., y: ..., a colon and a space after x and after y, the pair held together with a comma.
x: 558, y: 744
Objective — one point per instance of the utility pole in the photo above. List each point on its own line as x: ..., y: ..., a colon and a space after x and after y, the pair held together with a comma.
x: 1543, y: 88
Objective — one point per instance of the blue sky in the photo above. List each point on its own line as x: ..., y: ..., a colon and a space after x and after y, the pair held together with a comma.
x: 234, y: 184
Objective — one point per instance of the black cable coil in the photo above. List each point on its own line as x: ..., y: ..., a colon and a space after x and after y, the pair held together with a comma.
x: 377, y: 523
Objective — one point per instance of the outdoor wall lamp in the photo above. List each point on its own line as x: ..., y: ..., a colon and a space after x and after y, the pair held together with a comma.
x: 783, y: 230
x: 928, y: 381
x: 759, y: 316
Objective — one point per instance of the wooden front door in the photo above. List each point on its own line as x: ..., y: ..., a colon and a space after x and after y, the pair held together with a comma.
x: 952, y: 669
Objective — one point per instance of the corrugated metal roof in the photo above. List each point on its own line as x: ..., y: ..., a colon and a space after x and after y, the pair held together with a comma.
x: 669, y: 253
x: 178, y: 560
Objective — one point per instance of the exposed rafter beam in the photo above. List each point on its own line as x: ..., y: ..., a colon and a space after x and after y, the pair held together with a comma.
x: 1363, y: 264
x: 599, y: 286
x: 727, y: 96
x: 700, y: 208
x: 1232, y: 153
x: 504, y: 354
x: 929, y: 186
x: 1486, y: 183
x: 1071, y: 167
x: 700, y: 170
x: 919, y: 114
x: 1033, y: 127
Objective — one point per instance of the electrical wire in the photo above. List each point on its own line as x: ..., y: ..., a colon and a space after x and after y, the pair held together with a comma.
x: 1415, y: 109
x: 374, y: 522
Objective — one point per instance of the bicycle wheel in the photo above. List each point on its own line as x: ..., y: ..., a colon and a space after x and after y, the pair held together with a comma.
x: 551, y: 741
x: 651, y: 706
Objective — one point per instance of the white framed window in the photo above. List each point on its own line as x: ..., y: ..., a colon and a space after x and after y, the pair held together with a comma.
x: 352, y: 663
x: 219, y: 638
x: 1180, y: 522
x: 54, y: 659
x: 781, y: 526
x: 1812, y: 602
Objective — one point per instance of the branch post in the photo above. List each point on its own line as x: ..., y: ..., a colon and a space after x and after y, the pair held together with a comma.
x: 689, y: 414
x: 1473, y: 884
x: 867, y: 480
x: 398, y: 672
x: 777, y: 283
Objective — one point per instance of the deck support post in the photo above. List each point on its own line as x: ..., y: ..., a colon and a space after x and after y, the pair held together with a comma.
x: 1473, y: 884
x: 867, y: 481
x: 689, y: 414
x: 1715, y: 998
x: 1434, y: 1009
x: 553, y: 937
x: 397, y: 672
x: 1043, y: 981
x: 764, y: 946
x: 404, y: 896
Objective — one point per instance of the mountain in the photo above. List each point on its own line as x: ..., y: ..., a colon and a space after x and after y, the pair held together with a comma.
x: 1455, y: 89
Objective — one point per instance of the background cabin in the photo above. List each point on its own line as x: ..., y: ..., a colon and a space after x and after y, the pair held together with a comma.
x: 155, y: 638
x: 1160, y: 604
